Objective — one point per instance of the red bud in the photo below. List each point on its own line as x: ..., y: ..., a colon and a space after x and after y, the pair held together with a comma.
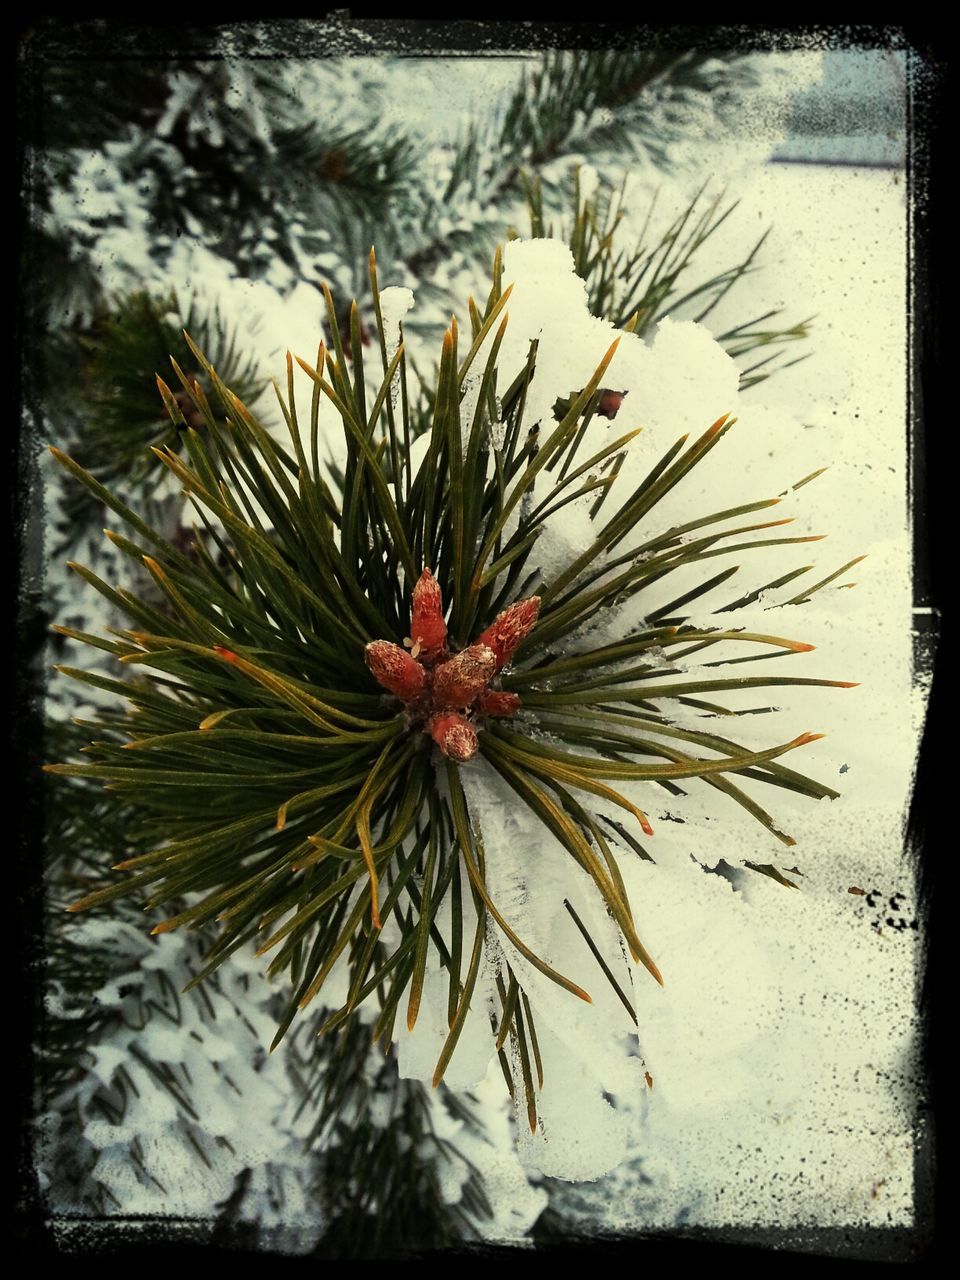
x: 395, y: 669
x: 454, y: 735
x: 503, y: 636
x: 608, y: 406
x: 427, y: 627
x: 461, y: 679
x: 194, y: 418
x: 496, y: 702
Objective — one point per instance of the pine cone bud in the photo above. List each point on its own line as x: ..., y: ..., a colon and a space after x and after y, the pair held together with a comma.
x: 509, y: 627
x: 608, y: 406
x: 461, y: 679
x: 497, y: 702
x: 192, y: 415
x: 454, y: 735
x: 428, y: 630
x: 395, y: 669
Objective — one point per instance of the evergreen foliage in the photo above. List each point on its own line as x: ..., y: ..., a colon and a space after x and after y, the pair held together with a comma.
x: 387, y: 1160
x: 626, y: 103
x: 256, y: 658
x: 135, y: 1080
x: 644, y: 283
x: 127, y: 1065
x: 115, y: 419
x: 236, y: 158
x: 259, y: 163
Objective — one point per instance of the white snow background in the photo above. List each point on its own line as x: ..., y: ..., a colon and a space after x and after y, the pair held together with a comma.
x: 780, y: 1045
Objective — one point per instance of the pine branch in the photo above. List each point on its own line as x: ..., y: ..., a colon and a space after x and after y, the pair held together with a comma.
x: 120, y: 1046
x: 118, y: 406
x: 641, y: 285
x: 382, y: 1171
x: 569, y: 105
x: 287, y: 656
x: 230, y: 151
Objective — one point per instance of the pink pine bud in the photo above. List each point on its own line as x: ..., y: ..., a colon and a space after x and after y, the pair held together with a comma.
x: 509, y: 627
x: 454, y: 735
x: 395, y: 669
x: 428, y: 630
x: 462, y: 678
x: 497, y: 702
x: 608, y: 406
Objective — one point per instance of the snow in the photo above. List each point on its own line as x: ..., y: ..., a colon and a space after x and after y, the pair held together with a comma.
x: 681, y: 383
x: 757, y: 1045
x: 589, y: 181
x: 419, y: 1050
x: 240, y: 1101
x: 583, y: 1044
x: 395, y: 302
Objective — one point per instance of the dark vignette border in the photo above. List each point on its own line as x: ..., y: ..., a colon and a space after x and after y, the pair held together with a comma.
x: 47, y: 40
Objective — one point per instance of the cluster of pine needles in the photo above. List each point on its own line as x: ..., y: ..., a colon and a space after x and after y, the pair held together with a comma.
x: 293, y: 803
